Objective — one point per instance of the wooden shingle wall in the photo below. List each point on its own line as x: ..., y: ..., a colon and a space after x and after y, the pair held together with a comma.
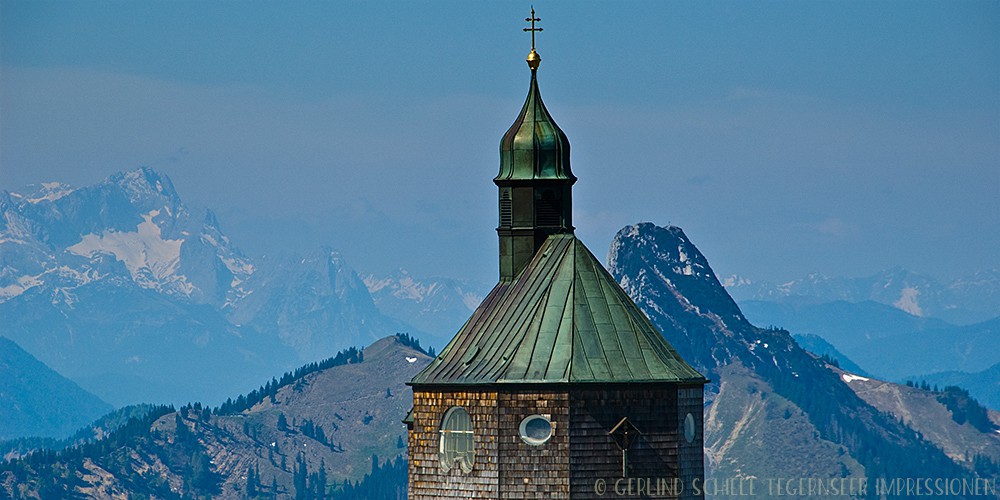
x: 427, y: 480
x: 596, y: 458
x: 580, y: 452
x: 691, y: 399
x: 527, y: 471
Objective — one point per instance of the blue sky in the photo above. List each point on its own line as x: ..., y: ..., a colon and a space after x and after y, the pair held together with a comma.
x: 784, y: 137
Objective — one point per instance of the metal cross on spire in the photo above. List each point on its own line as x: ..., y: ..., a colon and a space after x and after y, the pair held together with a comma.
x: 533, y: 58
x: 533, y: 29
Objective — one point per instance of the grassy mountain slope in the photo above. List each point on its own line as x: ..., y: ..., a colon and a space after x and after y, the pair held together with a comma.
x: 753, y: 431
x: 926, y: 412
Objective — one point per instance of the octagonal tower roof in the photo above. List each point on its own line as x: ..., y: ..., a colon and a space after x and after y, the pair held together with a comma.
x: 564, y: 319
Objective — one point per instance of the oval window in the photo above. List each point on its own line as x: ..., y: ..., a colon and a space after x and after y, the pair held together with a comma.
x: 456, y: 440
x: 536, y: 429
x: 689, y: 427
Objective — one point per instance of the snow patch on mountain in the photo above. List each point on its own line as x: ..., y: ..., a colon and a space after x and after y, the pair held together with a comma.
x: 908, y: 301
x: 149, y: 258
x: 734, y: 280
x: 23, y: 284
x: 48, y: 191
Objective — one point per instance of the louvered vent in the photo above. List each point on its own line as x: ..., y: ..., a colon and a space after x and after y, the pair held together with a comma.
x: 547, y: 210
x: 506, y: 211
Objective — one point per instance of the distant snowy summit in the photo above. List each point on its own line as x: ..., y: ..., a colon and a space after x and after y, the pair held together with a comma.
x: 131, y: 226
x: 964, y: 300
x: 435, y: 305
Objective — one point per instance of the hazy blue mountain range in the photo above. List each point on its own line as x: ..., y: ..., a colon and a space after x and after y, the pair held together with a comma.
x: 817, y: 345
x: 983, y: 385
x: 843, y: 324
x: 313, y: 303
x: 966, y: 300
x: 124, y: 289
x: 889, y: 343
x: 970, y: 348
x: 36, y: 401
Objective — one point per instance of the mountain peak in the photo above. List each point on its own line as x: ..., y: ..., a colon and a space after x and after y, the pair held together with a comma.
x: 674, y: 259
x: 144, y: 182
x: 210, y: 219
x: 670, y: 279
x: 393, y: 347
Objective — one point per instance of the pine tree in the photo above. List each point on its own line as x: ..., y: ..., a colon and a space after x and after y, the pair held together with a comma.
x: 321, y: 480
x: 251, y: 483
x: 183, y: 434
x: 300, y: 479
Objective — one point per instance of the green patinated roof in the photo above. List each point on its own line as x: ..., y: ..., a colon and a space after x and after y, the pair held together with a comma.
x: 564, y: 319
x: 534, y: 147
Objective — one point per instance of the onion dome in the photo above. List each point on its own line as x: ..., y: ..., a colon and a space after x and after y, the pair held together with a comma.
x: 534, y: 147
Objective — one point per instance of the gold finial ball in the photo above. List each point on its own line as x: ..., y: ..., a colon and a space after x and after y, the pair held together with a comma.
x: 534, y: 60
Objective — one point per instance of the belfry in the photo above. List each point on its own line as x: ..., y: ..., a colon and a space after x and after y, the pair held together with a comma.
x: 558, y: 386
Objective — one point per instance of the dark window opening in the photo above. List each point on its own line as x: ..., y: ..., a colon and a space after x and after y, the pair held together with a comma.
x: 547, y: 210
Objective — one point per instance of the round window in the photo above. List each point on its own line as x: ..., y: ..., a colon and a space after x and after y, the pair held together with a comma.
x: 536, y: 429
x: 689, y: 427
x: 456, y: 440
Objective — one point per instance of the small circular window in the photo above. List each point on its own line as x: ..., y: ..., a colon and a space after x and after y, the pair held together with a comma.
x: 689, y: 427
x: 456, y: 440
x: 536, y: 429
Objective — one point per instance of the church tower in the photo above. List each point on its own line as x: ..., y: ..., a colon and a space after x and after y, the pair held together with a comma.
x: 535, y: 181
x: 558, y: 386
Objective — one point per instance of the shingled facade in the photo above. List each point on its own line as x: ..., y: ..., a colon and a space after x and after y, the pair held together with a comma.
x: 558, y: 383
